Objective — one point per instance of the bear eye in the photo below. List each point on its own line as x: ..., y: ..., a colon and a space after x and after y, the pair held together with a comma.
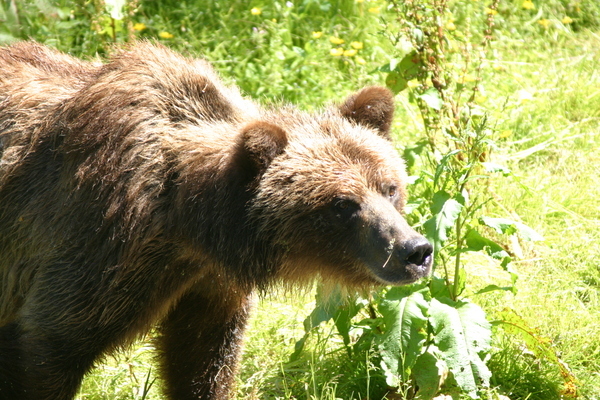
x: 392, y: 191
x: 342, y: 204
x: 344, y: 207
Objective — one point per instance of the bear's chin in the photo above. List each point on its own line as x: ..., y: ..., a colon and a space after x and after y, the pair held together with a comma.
x: 401, y: 274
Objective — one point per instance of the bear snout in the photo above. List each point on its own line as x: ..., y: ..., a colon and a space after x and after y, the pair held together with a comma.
x: 417, y: 255
x: 407, y: 260
x: 400, y: 260
x: 390, y: 248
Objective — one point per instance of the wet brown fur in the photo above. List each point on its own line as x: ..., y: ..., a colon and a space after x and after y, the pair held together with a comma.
x: 144, y: 190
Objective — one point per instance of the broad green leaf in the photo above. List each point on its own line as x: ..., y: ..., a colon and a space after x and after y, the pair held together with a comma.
x: 329, y: 305
x: 438, y: 201
x: 462, y: 335
x: 409, y: 66
x: 429, y: 374
x: 343, y: 317
x: 493, y: 288
x: 500, y: 225
x: 395, y: 82
x: 439, y: 287
x: 446, y: 211
x: 460, y: 281
x: 476, y: 242
x: 432, y: 98
x: 389, y: 67
x: 510, y: 227
x: 411, y: 206
x: 400, y: 71
x: 411, y: 153
x: 299, y: 347
x: 405, y: 323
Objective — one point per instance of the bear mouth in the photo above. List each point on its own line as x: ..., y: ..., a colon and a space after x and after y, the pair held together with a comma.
x: 402, y: 273
x: 400, y: 262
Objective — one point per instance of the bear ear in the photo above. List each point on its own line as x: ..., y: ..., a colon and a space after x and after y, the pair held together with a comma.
x: 373, y: 107
x: 263, y: 142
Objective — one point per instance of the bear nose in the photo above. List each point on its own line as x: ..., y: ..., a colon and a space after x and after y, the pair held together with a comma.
x: 417, y: 251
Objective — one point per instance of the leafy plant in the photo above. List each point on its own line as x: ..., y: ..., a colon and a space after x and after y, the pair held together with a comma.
x: 428, y: 336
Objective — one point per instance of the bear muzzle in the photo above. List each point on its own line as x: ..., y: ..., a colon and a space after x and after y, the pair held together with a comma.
x: 402, y: 262
x: 392, y: 250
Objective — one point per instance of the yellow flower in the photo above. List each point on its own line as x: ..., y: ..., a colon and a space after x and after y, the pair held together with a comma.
x: 505, y: 133
x: 139, y: 26
x: 360, y: 60
x: 357, y: 45
x: 450, y: 26
x: 350, y: 53
x: 360, y: 1
x: 374, y: 10
x: 490, y: 11
x: 336, y: 52
x: 256, y: 11
x: 336, y: 40
x: 567, y: 20
x: 528, y: 5
x: 544, y: 22
x: 165, y: 35
x: 317, y: 35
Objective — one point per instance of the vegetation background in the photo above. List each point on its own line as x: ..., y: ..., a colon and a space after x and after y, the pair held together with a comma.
x: 538, y: 85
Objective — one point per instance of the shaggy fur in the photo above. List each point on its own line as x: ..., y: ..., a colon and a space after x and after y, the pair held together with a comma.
x: 144, y: 191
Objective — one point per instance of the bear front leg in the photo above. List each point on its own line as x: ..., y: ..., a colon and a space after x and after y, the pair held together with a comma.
x: 199, y: 344
x: 34, y: 366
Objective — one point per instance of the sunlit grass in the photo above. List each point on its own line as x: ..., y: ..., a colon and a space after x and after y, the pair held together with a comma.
x: 553, y: 154
x: 542, y: 89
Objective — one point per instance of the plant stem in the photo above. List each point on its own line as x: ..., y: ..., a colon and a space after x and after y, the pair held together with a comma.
x: 459, y: 241
x: 114, y: 29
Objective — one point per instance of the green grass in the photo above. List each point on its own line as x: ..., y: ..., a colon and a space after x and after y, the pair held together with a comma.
x: 542, y: 90
x: 553, y: 153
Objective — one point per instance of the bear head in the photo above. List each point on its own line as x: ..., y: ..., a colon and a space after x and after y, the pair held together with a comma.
x: 330, y: 190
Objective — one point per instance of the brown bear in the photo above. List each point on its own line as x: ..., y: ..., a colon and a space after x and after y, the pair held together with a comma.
x: 144, y: 192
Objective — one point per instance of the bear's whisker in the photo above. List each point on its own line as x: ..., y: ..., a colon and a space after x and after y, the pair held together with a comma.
x: 390, y: 250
